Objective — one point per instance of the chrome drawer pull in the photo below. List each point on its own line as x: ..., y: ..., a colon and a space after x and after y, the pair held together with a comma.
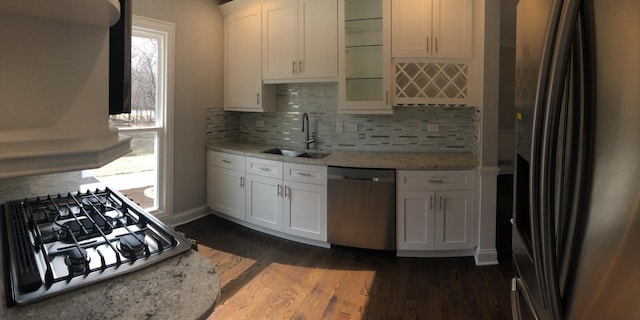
x: 226, y: 161
x: 436, y: 181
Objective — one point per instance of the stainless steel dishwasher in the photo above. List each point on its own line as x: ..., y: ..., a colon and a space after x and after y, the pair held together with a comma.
x: 361, y: 209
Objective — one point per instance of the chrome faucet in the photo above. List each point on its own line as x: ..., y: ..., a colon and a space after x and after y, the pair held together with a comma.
x: 307, y: 140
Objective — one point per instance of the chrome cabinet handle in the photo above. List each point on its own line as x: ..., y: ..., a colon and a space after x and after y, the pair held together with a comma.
x: 305, y: 174
x: 279, y: 190
x: 265, y: 169
x: 257, y: 98
x: 287, y: 191
x: 241, y: 182
x: 435, y: 181
x: 300, y: 66
x: 226, y: 161
x: 431, y: 203
x: 293, y: 67
x: 427, y: 44
x: 436, y: 45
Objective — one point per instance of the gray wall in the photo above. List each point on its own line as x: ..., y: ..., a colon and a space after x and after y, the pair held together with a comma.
x: 198, y: 85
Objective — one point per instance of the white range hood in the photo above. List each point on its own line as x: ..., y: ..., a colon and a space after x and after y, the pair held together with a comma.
x: 54, y: 86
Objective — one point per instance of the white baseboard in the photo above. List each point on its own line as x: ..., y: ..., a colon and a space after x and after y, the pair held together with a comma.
x: 317, y: 243
x: 434, y: 254
x: 186, y: 216
x: 486, y: 257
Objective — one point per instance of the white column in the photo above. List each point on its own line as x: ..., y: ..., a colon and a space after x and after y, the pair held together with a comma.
x: 486, y: 253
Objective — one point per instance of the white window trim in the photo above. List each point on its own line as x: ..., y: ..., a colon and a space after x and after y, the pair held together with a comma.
x: 166, y: 30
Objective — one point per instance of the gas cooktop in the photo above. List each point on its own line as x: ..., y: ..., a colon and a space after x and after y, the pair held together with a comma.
x: 57, y: 243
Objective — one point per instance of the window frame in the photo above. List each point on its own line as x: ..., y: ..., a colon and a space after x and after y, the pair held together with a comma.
x: 164, y: 32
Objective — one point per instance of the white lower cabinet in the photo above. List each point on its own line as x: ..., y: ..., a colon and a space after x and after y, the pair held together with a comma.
x: 264, y: 201
x: 264, y: 193
x: 226, y: 184
x: 287, y: 197
x: 305, y: 201
x: 435, y: 210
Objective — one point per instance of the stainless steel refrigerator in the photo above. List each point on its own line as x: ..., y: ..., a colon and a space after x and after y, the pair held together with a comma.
x: 576, y: 221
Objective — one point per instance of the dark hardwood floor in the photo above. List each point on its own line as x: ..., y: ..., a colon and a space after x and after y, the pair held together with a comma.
x: 264, y: 277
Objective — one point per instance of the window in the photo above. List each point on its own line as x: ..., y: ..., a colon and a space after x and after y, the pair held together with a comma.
x: 145, y: 174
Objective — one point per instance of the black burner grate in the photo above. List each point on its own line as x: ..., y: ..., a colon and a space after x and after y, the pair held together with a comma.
x: 29, y: 274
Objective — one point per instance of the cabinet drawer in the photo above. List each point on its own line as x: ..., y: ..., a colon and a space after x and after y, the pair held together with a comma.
x: 226, y: 160
x: 264, y: 167
x: 305, y: 173
x: 435, y: 180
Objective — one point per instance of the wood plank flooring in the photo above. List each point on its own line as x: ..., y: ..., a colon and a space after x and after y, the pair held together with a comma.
x: 264, y: 277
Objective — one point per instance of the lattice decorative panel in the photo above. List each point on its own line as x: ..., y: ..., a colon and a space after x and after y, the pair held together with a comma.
x: 431, y: 80
x: 526, y: 83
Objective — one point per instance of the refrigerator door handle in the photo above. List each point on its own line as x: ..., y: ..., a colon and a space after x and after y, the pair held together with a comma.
x: 538, y: 138
x: 517, y: 288
x: 555, y: 100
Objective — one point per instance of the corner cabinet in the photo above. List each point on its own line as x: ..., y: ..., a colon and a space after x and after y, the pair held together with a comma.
x: 243, y: 88
x: 435, y: 210
x: 364, y: 42
x: 432, y: 29
x: 299, y: 39
x: 226, y: 184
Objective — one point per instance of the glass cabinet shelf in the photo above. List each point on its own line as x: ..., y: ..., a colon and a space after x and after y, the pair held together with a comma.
x: 363, y: 62
x: 362, y: 9
x: 364, y: 89
x: 363, y: 32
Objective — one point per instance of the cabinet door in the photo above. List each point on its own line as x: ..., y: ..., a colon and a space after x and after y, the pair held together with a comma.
x: 452, y: 28
x: 318, y: 39
x: 432, y: 28
x: 454, y: 220
x: 243, y: 60
x: 264, y: 201
x: 415, y: 214
x: 279, y: 39
x: 227, y: 191
x: 364, y: 42
x: 411, y: 28
x: 305, y: 210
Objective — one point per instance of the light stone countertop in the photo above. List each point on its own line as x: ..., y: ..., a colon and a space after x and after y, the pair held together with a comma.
x: 183, y: 287
x: 382, y: 160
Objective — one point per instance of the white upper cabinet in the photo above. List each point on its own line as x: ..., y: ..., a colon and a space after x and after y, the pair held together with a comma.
x: 243, y: 86
x: 365, y: 56
x: 299, y: 40
x: 432, y: 29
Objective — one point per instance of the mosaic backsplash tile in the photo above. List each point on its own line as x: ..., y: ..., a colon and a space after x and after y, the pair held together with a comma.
x: 405, y: 130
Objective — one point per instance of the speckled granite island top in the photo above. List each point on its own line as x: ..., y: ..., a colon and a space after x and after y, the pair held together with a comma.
x: 184, y: 287
x: 383, y: 160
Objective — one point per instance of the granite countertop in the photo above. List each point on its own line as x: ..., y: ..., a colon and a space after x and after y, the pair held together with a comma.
x: 183, y: 287
x: 383, y: 160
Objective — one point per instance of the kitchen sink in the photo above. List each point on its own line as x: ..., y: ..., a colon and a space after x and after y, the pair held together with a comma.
x: 296, y: 153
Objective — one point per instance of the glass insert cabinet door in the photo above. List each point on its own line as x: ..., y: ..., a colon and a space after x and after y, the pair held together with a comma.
x: 365, y: 56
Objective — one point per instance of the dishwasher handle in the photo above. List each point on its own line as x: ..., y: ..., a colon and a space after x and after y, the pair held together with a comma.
x: 371, y: 179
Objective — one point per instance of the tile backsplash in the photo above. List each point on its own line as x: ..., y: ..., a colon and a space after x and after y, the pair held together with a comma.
x: 404, y: 130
